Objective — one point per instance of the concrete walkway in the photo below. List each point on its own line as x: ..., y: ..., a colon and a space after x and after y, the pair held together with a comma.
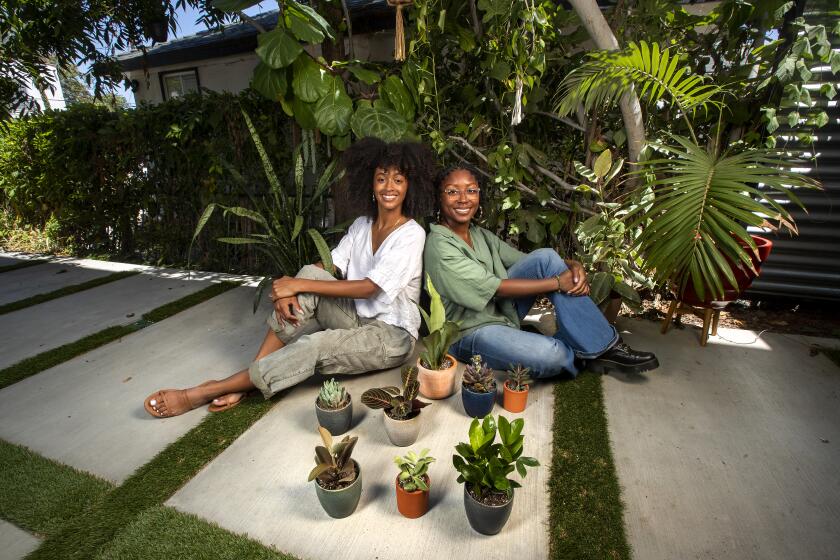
x: 15, y: 543
x: 729, y: 451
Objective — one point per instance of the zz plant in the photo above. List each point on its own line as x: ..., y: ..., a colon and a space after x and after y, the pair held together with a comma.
x: 413, y: 469
x: 442, y: 333
x: 333, y: 467
x: 484, y: 465
x: 400, y: 404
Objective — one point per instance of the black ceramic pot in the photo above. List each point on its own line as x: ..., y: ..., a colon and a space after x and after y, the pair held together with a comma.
x: 477, y: 405
x: 337, y: 420
x: 487, y: 520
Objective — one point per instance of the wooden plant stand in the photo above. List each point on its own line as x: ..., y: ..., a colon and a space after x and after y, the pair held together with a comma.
x: 709, y: 312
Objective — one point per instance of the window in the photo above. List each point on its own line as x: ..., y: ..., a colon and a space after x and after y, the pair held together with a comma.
x: 178, y: 83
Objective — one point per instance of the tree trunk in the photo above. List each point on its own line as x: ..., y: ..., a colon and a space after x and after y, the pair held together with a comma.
x: 631, y: 111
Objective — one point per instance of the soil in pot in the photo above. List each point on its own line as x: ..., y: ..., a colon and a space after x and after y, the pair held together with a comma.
x: 491, y: 513
x: 336, y: 420
x: 514, y: 401
x: 437, y: 383
x: 412, y: 504
x: 340, y: 500
x: 402, y: 432
x: 477, y: 405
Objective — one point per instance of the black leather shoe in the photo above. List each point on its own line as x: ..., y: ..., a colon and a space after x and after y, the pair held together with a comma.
x: 624, y: 359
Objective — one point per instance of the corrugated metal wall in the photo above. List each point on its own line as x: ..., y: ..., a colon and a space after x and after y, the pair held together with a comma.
x: 807, y: 266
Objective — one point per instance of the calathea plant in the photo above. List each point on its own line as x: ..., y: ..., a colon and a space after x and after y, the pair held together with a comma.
x: 398, y: 404
x: 333, y: 467
x: 442, y: 333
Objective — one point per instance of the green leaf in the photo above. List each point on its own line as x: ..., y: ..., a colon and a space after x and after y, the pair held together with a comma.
x: 304, y: 114
x: 476, y: 435
x: 626, y: 292
x: 314, y: 17
x: 240, y: 241
x: 600, y: 286
x: 277, y: 48
x: 382, y: 123
x: 303, y: 29
x: 310, y: 82
x: 500, y: 71
x: 602, y: 164
x: 821, y: 119
x: 341, y: 143
x: 323, y: 250
x: 828, y: 90
x: 269, y: 82
x: 793, y: 118
x: 234, y: 5
x: 397, y: 94
x: 333, y: 111
x: 363, y: 74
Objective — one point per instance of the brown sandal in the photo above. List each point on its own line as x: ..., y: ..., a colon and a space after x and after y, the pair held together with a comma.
x: 179, y: 396
x: 229, y: 405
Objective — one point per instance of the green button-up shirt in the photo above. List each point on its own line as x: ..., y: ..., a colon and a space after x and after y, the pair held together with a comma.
x: 468, y: 277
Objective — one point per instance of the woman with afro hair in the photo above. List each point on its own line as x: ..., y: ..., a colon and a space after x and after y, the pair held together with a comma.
x: 367, y: 321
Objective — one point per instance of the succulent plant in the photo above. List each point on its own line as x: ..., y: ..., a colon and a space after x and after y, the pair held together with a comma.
x: 485, y: 465
x: 398, y: 404
x: 413, y: 469
x: 333, y: 467
x: 332, y: 395
x: 478, y: 377
x: 518, y: 378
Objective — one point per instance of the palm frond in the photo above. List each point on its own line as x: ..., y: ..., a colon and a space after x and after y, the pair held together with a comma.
x: 654, y: 72
x: 702, y: 205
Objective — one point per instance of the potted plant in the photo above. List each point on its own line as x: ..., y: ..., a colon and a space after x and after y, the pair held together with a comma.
x: 334, y: 407
x: 412, y: 483
x: 402, y: 408
x: 516, y: 388
x: 478, y: 389
x: 484, y: 467
x: 338, y: 478
x: 436, y: 367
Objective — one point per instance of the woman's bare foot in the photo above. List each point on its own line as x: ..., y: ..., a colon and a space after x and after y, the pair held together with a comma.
x: 225, y: 402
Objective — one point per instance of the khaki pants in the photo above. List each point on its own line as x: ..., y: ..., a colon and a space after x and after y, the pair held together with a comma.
x: 329, y: 339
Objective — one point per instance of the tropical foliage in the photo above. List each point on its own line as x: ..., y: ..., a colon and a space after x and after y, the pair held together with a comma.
x: 333, y: 466
x: 442, y: 333
x: 400, y: 404
x: 413, y: 470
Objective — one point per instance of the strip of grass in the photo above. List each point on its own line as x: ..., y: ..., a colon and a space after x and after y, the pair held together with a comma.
x: 172, y: 534
x: 152, y: 484
x: 51, y: 358
x: 22, y: 264
x: 65, y: 291
x: 40, y: 495
x: 586, y: 512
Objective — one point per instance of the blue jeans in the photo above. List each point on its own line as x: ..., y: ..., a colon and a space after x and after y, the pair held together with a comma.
x: 582, y: 330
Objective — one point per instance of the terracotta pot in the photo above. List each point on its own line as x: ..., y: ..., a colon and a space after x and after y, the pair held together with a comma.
x: 343, y: 502
x: 487, y: 520
x: 437, y: 383
x: 412, y: 504
x: 402, y: 432
x: 515, y: 401
x: 336, y: 420
x: 477, y: 405
x: 612, y: 308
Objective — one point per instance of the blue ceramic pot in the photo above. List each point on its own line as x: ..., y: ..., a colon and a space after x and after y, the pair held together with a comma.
x: 477, y: 405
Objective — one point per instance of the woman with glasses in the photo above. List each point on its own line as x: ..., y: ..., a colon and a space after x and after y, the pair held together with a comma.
x: 487, y: 287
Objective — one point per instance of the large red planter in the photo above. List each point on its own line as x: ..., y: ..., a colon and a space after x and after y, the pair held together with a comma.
x: 743, y: 275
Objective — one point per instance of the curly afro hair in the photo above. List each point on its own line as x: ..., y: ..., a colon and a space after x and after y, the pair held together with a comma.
x: 414, y: 160
x: 479, y: 179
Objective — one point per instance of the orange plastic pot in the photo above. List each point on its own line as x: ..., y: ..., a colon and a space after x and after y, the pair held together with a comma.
x: 437, y: 383
x: 514, y: 401
x: 412, y: 504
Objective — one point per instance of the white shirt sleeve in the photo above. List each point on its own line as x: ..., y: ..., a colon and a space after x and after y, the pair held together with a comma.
x: 341, y: 254
x: 396, y: 265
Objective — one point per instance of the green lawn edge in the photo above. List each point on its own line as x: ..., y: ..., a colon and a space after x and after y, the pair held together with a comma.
x: 23, y: 264
x: 586, y: 514
x: 51, y: 358
x: 65, y: 291
x: 40, y: 495
x: 83, y: 537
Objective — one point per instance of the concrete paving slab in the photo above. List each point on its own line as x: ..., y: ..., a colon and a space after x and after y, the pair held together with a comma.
x: 42, y: 327
x: 59, y: 273
x: 88, y: 412
x: 15, y: 543
x: 728, y: 451
x: 258, y: 485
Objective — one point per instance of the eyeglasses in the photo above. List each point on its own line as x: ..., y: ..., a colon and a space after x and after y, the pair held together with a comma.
x: 472, y: 192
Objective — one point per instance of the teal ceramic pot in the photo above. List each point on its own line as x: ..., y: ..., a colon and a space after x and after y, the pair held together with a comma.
x: 477, y: 405
x: 337, y: 420
x: 487, y: 520
x: 341, y: 503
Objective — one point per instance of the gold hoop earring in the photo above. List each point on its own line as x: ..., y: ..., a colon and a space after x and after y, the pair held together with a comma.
x: 437, y: 216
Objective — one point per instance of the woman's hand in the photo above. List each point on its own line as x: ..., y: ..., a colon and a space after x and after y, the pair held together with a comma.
x: 287, y: 309
x: 284, y: 287
x: 580, y: 283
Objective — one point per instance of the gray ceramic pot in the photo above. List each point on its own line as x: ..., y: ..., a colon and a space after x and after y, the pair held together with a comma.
x: 336, y: 420
x: 487, y: 520
x: 402, y: 432
x: 341, y: 503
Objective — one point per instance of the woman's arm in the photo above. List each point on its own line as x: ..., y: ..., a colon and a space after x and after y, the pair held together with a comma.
x: 357, y: 289
x: 572, y: 282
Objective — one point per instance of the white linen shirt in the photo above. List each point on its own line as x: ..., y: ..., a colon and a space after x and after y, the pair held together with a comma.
x: 396, y: 268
